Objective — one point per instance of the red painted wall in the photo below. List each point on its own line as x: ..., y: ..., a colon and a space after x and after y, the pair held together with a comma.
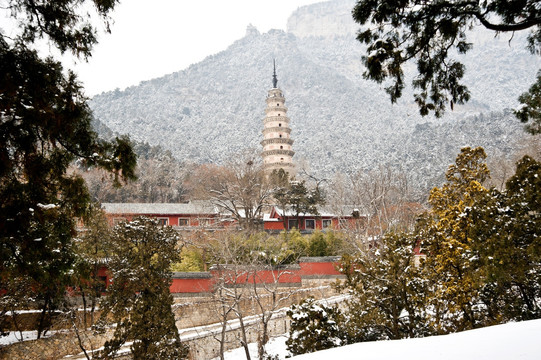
x: 191, y: 286
x: 318, y: 268
x: 260, y: 276
x: 205, y: 284
x: 273, y: 225
x: 194, y: 220
x: 279, y: 225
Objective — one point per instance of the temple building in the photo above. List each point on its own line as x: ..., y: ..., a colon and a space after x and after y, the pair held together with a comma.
x: 277, y: 143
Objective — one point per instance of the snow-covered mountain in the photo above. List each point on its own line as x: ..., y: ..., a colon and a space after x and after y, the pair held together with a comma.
x: 340, y: 122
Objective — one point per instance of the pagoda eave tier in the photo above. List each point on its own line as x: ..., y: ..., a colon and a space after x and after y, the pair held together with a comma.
x: 278, y: 152
x: 272, y: 99
x: 276, y: 108
x: 281, y: 118
x: 277, y: 129
x: 278, y: 165
x: 277, y: 141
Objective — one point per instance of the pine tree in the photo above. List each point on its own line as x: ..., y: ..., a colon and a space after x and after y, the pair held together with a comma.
x: 507, y: 232
x: 530, y: 111
x: 524, y: 194
x: 298, y: 198
x: 452, y: 267
x: 388, y: 294
x: 91, y: 250
x: 45, y: 125
x: 428, y: 32
x: 314, y: 327
x: 138, y: 300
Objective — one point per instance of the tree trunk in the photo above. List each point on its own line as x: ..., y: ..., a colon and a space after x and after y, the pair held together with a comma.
x: 244, y: 341
x: 84, y: 306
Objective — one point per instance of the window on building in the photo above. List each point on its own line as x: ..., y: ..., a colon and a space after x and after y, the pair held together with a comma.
x: 163, y: 221
x: 281, y: 147
x: 280, y: 125
x: 280, y: 135
x: 292, y: 223
x: 326, y: 223
x: 309, y: 224
x: 281, y: 159
x: 183, y: 222
x: 277, y: 104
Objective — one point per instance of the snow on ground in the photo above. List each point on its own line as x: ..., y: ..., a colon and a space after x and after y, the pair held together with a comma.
x: 15, y: 336
x: 275, y: 346
x: 517, y: 341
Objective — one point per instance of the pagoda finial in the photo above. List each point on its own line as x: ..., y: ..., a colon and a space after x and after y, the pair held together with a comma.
x: 274, y: 78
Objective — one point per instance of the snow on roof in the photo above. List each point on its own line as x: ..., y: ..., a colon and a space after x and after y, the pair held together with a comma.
x: 342, y: 210
x: 266, y: 217
x: 190, y: 208
x: 334, y: 211
x: 289, y: 212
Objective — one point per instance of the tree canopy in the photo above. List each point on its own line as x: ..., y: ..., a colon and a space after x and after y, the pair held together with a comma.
x: 429, y: 32
x: 67, y: 23
x: 452, y: 265
x: 139, y: 301
x: 296, y: 197
x: 472, y: 261
x: 45, y: 125
x: 530, y: 111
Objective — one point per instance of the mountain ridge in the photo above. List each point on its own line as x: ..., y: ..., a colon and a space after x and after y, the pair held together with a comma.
x: 340, y: 122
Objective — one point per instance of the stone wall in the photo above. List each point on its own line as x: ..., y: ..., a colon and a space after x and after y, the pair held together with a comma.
x: 204, y: 311
x: 55, y: 347
x: 207, y: 346
x: 189, y: 312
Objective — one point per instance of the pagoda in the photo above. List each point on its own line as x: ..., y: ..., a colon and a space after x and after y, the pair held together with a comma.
x: 277, y: 143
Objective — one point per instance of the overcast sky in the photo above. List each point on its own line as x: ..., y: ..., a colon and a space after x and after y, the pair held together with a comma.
x: 151, y: 39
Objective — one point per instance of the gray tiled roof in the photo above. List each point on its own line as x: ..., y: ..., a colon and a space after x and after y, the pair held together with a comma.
x: 190, y: 208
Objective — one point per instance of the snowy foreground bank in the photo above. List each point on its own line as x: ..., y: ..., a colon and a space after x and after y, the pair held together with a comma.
x: 517, y: 341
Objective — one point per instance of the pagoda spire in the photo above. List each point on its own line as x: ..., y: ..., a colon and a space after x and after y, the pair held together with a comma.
x: 274, y: 78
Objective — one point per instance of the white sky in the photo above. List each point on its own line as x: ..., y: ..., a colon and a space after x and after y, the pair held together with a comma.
x: 151, y: 39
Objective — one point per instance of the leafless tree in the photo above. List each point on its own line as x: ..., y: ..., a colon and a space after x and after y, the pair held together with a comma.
x: 158, y: 180
x: 248, y: 284
x: 229, y: 289
x: 240, y: 189
x: 269, y: 296
x: 382, y: 198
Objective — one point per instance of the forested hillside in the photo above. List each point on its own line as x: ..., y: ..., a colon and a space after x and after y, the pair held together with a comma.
x: 160, y: 177
x: 340, y: 122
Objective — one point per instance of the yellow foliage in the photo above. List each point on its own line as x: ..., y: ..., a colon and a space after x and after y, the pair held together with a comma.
x: 154, y: 259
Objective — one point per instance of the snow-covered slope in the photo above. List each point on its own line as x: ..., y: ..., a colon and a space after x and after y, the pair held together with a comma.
x: 513, y: 341
x: 517, y: 341
x: 340, y: 122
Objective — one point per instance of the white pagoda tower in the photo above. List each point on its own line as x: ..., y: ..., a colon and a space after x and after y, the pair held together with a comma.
x: 277, y: 143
